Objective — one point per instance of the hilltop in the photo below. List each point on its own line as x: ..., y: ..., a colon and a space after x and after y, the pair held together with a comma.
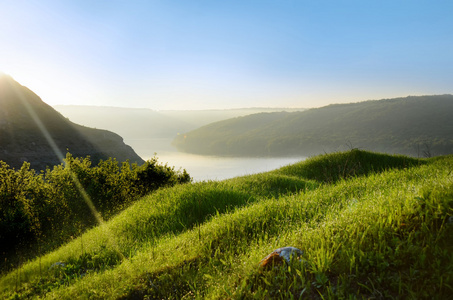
x: 413, y: 126
x: 31, y: 130
x: 370, y: 225
x: 145, y: 123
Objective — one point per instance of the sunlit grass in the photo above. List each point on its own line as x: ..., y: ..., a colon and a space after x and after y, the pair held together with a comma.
x: 381, y: 233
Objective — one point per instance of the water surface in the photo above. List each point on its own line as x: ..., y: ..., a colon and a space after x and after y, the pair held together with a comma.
x: 206, y: 167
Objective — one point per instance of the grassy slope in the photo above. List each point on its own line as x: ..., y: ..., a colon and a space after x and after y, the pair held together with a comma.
x: 371, y: 226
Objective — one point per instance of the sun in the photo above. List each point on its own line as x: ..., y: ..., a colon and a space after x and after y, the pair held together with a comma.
x: 35, y: 80
x: 20, y: 77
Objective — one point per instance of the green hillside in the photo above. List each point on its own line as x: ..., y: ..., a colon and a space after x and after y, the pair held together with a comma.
x: 372, y: 226
x: 413, y: 126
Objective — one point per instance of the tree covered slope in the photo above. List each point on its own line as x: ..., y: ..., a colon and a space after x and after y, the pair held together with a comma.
x: 31, y: 130
x: 412, y: 125
x: 145, y: 123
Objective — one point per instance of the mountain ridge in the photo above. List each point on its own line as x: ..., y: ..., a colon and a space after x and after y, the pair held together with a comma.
x: 145, y: 123
x: 398, y: 125
x: 31, y: 130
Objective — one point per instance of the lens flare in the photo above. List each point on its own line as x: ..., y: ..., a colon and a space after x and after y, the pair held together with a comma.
x: 61, y: 157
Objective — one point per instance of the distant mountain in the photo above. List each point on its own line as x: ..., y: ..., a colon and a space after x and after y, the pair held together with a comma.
x: 130, y: 123
x: 31, y: 130
x: 414, y: 126
x: 142, y: 123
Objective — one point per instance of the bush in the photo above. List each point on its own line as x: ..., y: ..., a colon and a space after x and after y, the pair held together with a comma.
x: 40, y: 211
x: 18, y: 219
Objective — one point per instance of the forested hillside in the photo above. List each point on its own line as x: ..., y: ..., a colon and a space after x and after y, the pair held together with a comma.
x: 417, y: 126
x: 145, y: 123
x: 32, y: 131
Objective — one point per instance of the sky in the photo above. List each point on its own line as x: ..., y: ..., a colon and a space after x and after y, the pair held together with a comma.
x: 207, y: 54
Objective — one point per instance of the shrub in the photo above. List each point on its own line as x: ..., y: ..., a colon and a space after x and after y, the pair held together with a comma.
x: 49, y: 208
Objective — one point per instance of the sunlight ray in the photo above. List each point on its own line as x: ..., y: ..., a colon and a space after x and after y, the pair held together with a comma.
x: 38, y: 122
x: 31, y: 112
x: 61, y: 157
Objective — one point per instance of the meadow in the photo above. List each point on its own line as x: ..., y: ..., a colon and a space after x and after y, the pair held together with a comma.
x: 371, y: 226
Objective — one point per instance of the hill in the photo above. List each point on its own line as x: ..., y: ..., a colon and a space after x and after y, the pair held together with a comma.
x: 143, y: 123
x: 31, y: 130
x: 411, y: 125
x: 369, y: 225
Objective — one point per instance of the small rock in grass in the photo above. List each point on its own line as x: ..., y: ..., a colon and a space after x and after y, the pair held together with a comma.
x: 280, y: 256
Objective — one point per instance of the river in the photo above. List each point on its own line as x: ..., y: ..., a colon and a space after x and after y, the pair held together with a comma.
x: 205, y: 167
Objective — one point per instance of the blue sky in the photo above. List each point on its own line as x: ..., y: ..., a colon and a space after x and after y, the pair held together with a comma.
x: 227, y: 54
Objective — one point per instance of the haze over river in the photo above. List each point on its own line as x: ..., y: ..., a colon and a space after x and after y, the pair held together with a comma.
x: 204, y: 167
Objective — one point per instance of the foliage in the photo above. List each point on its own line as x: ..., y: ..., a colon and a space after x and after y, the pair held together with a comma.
x: 18, y: 216
x: 384, y: 232
x: 40, y: 211
x: 415, y: 126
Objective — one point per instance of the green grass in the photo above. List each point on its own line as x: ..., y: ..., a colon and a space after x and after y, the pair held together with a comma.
x: 372, y: 226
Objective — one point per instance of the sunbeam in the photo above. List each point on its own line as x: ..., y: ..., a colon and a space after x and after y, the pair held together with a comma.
x: 36, y: 119
x: 38, y: 122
